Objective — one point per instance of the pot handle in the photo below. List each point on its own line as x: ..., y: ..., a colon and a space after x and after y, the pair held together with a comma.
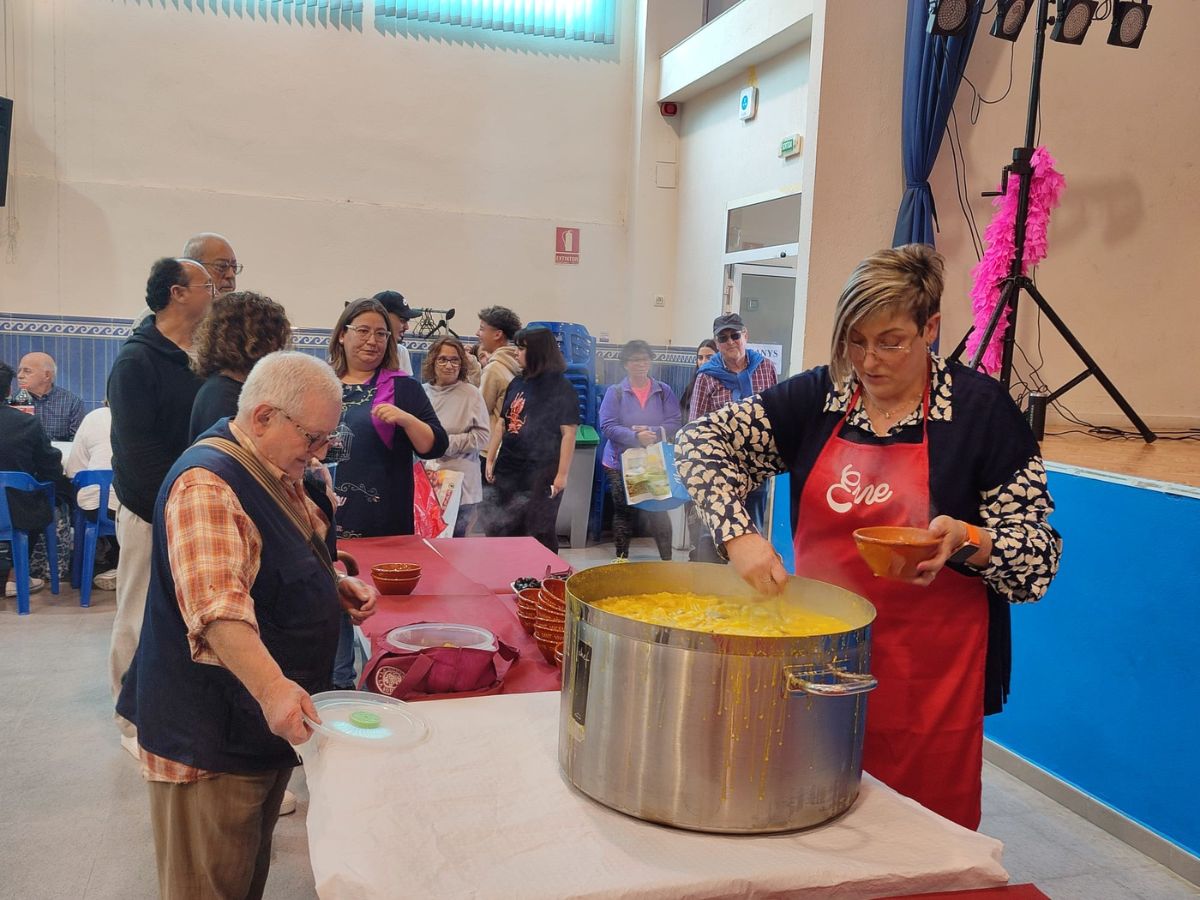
x: 797, y: 680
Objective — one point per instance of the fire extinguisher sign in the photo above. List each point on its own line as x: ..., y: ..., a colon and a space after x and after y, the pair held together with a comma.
x: 566, y: 246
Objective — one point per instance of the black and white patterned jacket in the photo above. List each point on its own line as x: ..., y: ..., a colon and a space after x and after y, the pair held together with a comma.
x: 984, y: 467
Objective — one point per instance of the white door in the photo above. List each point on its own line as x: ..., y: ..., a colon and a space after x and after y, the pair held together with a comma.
x: 765, y: 296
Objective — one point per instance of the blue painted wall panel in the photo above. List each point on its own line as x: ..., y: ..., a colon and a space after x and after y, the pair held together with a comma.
x: 1106, y: 669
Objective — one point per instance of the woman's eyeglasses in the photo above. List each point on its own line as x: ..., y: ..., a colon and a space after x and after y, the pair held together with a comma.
x: 859, y: 349
x: 364, y: 333
x: 447, y: 361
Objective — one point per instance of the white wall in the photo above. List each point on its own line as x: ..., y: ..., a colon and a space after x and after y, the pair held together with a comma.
x: 1122, y: 267
x: 338, y: 162
x: 723, y: 159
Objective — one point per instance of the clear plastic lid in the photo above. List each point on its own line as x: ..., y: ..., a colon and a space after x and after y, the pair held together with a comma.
x: 366, y: 718
x: 441, y: 634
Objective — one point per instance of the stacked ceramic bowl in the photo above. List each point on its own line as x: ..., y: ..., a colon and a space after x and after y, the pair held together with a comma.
x: 551, y: 617
x: 396, y: 578
x: 527, y: 601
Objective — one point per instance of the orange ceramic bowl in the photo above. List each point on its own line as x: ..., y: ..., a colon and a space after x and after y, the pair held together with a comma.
x: 396, y: 570
x: 396, y: 588
x: 556, y: 589
x: 893, y: 551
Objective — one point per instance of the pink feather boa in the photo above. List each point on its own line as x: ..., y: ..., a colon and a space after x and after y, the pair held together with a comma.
x: 1045, y: 189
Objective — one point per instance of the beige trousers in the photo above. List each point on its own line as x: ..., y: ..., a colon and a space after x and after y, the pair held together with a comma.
x: 136, y: 537
x: 212, y: 838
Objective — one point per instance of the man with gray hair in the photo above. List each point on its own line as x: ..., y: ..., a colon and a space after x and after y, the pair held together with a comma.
x: 59, y: 410
x: 151, y: 387
x: 216, y: 255
x: 241, y: 627
x: 213, y: 252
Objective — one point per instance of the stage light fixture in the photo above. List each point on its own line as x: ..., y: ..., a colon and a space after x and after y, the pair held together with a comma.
x: 948, y: 17
x: 1073, y: 20
x: 1129, y: 23
x: 1010, y: 16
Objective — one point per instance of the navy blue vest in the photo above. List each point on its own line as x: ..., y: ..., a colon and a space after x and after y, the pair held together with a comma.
x: 201, y: 715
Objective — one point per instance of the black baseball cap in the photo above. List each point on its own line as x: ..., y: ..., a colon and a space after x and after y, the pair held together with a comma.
x: 394, y: 303
x: 729, y: 320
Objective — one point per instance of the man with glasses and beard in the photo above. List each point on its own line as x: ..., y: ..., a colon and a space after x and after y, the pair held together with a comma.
x: 735, y: 373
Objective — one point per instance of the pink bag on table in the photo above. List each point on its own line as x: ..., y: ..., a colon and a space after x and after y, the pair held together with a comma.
x: 436, y: 673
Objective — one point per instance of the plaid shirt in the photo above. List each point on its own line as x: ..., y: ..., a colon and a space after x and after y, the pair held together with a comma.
x: 60, y: 412
x: 709, y: 395
x: 215, y: 554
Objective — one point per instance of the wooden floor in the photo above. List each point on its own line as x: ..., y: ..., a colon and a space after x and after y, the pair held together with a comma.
x: 1177, y: 462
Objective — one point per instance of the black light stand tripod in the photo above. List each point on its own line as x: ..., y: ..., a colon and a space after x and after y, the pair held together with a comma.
x: 427, y: 327
x: 1017, y: 281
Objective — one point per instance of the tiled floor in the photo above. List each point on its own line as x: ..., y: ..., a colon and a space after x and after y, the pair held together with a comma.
x: 73, y: 811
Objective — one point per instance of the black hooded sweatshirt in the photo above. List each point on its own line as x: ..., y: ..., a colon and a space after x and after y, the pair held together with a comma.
x: 150, y: 390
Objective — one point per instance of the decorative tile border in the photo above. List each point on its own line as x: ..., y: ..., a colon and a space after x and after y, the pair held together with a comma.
x: 85, y: 346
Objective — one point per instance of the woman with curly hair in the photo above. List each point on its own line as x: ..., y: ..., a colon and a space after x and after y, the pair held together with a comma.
x: 241, y: 328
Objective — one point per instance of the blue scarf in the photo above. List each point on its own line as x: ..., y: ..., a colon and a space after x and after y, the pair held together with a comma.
x: 737, y: 382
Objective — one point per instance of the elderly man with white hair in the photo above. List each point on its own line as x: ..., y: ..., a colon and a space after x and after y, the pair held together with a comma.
x: 59, y: 410
x: 241, y: 627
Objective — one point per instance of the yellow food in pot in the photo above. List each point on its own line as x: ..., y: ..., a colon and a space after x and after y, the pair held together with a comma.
x: 721, y: 615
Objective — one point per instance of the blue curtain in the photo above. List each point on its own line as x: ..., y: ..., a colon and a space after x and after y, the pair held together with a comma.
x: 933, y: 68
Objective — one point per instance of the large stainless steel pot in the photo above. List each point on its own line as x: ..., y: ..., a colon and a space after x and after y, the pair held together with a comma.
x: 711, y: 732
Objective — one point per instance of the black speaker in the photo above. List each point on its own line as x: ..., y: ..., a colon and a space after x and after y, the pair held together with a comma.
x: 5, y: 137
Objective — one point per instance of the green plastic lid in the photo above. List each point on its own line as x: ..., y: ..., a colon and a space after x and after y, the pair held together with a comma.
x: 363, y: 719
x: 586, y: 436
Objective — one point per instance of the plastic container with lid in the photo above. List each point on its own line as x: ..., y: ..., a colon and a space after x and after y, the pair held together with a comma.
x: 358, y: 718
x: 414, y: 638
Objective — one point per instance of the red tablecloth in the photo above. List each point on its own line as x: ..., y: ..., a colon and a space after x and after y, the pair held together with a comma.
x: 1008, y: 892
x: 448, y: 593
x: 498, y: 562
x: 438, y: 575
x: 487, y: 610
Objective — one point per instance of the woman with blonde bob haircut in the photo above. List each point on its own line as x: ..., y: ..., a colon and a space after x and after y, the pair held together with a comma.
x: 460, y: 408
x: 891, y: 434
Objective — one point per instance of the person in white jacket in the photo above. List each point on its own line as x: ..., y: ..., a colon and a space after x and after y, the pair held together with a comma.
x: 460, y: 408
x: 92, y: 449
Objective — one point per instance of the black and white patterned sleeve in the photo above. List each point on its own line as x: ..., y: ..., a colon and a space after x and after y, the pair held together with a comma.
x: 1025, y: 548
x: 721, y: 457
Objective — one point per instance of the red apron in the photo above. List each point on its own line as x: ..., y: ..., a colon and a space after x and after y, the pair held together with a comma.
x: 925, y: 720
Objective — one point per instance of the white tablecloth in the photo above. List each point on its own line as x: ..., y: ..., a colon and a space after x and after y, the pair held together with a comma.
x: 481, y: 810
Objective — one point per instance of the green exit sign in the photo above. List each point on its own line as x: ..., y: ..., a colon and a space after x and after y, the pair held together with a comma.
x: 789, y: 146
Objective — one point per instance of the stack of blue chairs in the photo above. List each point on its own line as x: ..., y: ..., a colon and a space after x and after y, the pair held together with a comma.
x: 579, y: 349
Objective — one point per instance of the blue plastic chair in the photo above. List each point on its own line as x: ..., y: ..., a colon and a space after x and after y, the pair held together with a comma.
x: 23, y: 481
x: 87, y: 533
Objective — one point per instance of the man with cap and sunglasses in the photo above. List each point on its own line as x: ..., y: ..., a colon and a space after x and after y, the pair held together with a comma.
x: 735, y: 373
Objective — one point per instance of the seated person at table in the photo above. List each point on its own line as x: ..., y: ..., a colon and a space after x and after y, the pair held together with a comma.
x: 92, y: 449
x: 60, y: 410
x: 24, y: 447
x: 240, y: 628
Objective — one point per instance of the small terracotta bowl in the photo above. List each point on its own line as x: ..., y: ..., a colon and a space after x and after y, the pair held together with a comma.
x: 555, y: 588
x: 396, y: 578
x: 396, y: 569
x: 893, y: 551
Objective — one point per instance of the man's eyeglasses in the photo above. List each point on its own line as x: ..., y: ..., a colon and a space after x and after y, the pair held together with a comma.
x: 315, y: 441
x: 728, y: 337
x: 208, y: 286
x: 221, y: 266
x: 447, y: 361
x: 859, y: 349
x: 364, y: 332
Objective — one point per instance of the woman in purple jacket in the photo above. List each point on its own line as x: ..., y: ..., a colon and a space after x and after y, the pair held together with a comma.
x: 638, y: 412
